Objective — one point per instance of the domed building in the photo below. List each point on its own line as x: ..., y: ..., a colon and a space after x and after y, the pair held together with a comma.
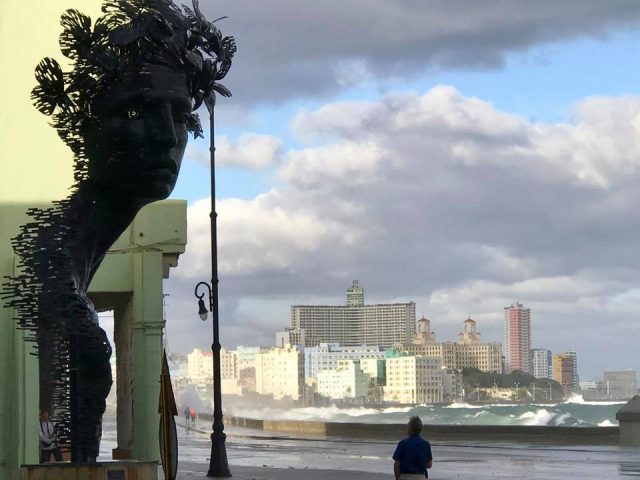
x: 424, y: 335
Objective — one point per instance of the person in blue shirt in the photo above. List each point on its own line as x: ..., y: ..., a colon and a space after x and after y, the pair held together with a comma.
x: 413, y: 454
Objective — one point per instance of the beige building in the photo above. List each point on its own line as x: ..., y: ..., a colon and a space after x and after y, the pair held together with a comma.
x: 346, y: 381
x: 424, y: 335
x: 565, y: 371
x: 413, y: 379
x: 279, y: 372
x: 468, y: 352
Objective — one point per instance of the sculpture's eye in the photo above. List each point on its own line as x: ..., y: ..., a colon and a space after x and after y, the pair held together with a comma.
x: 134, y: 113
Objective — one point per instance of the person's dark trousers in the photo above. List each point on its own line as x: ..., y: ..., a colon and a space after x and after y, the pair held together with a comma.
x: 45, y: 455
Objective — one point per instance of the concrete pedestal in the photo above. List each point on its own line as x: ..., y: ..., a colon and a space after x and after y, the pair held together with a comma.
x: 629, y: 418
x: 93, y: 471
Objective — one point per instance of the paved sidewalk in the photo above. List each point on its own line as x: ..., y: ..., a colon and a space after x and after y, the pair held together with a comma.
x: 455, y: 462
x: 191, y: 471
x: 260, y: 455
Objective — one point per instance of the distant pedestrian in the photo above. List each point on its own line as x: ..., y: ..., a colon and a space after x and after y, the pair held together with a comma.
x: 413, y: 454
x: 48, y: 439
x: 187, y: 415
x: 193, y: 416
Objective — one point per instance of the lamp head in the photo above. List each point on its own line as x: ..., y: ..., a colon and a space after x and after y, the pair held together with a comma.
x: 202, y: 310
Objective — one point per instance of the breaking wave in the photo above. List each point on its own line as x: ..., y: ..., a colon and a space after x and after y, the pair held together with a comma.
x: 571, y: 413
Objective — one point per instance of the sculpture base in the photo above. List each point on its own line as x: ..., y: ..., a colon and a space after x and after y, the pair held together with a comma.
x: 84, y: 471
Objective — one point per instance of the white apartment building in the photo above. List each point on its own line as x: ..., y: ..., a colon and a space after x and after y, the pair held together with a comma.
x: 375, y: 368
x: 279, y: 372
x: 413, y: 379
x: 327, y: 356
x: 452, y: 384
x: 200, y: 366
x: 355, y: 323
x: 468, y: 352
x: 346, y: 381
x: 542, y: 364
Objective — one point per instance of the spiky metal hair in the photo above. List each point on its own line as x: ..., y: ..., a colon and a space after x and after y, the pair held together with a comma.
x: 127, y: 35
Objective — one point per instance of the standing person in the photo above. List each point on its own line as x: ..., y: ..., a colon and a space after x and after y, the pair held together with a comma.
x: 413, y: 454
x: 48, y: 439
x: 193, y: 417
x: 187, y: 414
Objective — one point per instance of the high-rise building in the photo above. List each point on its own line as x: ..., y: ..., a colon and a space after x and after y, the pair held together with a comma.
x: 541, y: 363
x: 355, y: 295
x: 355, y: 323
x: 468, y: 352
x: 565, y: 371
x: 517, y: 338
x: 576, y: 378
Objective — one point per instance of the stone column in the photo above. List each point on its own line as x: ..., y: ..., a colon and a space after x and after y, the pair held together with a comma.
x: 146, y: 330
x: 629, y: 418
x: 123, y: 350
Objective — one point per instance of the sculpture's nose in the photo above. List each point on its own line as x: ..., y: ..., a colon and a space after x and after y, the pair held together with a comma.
x: 163, y: 128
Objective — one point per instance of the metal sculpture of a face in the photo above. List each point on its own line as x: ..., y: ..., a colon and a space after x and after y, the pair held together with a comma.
x: 138, y: 73
x: 137, y: 134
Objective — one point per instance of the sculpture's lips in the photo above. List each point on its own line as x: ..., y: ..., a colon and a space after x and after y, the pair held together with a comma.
x: 163, y: 168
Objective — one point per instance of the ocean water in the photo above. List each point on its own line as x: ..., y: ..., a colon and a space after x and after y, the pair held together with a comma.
x: 573, y: 412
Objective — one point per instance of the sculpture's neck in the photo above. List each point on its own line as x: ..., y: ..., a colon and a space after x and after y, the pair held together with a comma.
x: 103, y: 217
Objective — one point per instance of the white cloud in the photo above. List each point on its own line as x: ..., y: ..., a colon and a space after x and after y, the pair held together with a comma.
x: 343, y: 163
x: 601, y: 145
x: 250, y: 150
x: 444, y: 198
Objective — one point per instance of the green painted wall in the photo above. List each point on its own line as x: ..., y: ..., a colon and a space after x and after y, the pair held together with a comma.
x: 36, y: 165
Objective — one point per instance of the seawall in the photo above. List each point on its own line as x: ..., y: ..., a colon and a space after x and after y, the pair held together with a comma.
x: 551, y: 435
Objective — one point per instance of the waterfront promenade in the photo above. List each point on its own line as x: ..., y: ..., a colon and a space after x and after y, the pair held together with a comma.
x: 259, y: 455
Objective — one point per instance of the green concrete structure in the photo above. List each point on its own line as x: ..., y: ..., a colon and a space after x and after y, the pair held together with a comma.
x: 129, y: 282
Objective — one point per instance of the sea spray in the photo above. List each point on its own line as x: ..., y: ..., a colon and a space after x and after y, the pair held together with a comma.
x: 574, y: 413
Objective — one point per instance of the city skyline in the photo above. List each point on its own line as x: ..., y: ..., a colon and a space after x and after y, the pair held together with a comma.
x: 462, y: 162
x: 107, y: 323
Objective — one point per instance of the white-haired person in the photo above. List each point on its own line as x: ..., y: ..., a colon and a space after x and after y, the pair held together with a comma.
x: 413, y: 454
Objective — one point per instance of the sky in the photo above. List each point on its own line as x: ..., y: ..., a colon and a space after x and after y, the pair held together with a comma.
x: 463, y: 155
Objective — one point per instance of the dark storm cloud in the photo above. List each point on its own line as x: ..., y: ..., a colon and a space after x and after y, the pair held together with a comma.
x: 294, y: 49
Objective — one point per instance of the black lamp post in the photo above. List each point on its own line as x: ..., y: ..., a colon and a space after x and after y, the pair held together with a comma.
x: 218, y: 465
